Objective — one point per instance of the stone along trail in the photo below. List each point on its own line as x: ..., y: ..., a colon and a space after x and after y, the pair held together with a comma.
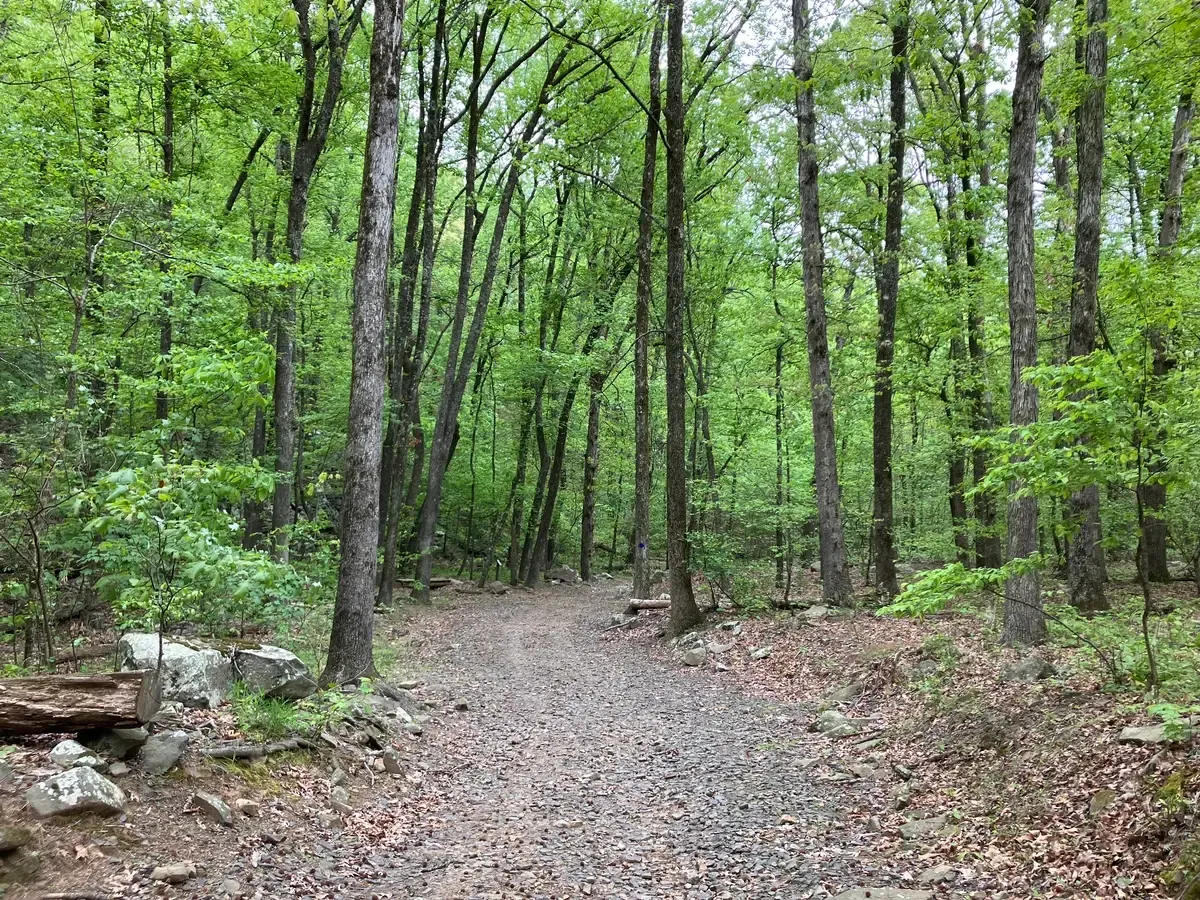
x: 583, y: 767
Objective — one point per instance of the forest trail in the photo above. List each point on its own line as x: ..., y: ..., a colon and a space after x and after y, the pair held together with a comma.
x: 586, y: 768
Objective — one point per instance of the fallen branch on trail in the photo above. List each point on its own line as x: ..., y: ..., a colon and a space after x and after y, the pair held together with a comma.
x: 256, y: 751
x: 636, y: 605
x: 46, y: 704
x: 434, y: 583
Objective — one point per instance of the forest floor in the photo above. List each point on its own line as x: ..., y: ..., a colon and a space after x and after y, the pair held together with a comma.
x: 568, y: 758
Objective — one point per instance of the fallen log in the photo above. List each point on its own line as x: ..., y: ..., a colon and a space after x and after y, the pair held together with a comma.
x: 636, y: 605
x: 57, y: 703
x: 434, y: 583
x: 256, y: 751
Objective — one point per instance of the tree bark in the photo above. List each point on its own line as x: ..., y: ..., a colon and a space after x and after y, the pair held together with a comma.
x: 1085, y: 558
x: 458, y: 369
x: 48, y: 704
x: 645, y: 296
x: 350, y: 643
x: 1154, y: 491
x: 1023, y: 620
x: 162, y: 402
x: 311, y: 133
x: 591, y: 465
x: 684, y: 612
x: 835, y: 574
x: 883, y: 524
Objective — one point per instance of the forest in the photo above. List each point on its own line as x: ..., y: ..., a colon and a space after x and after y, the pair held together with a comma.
x: 307, y: 306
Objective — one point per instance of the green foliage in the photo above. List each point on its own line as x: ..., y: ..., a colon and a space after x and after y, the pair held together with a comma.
x: 269, y: 719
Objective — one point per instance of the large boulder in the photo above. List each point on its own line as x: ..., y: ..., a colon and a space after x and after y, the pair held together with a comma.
x: 565, y: 574
x: 199, y: 678
x: 76, y: 790
x: 1026, y: 671
x: 274, y: 672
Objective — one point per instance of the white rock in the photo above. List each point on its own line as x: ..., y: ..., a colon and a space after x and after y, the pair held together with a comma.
x: 883, y: 894
x: 65, y: 753
x: 274, y: 672
x: 695, y: 656
x: 76, y: 790
x: 199, y: 678
x: 761, y: 652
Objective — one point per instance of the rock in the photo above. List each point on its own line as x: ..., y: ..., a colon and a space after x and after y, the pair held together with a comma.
x: 877, y: 893
x: 1026, y: 671
x: 338, y: 777
x: 926, y: 668
x: 162, y: 751
x: 199, y: 678
x: 411, y: 685
x: 121, y: 743
x: 850, y: 691
x: 13, y: 836
x: 761, y: 652
x: 339, y: 799
x: 873, y: 825
x: 118, y: 768
x: 7, y: 776
x: 231, y: 887
x: 175, y: 873
x: 832, y: 723
x: 695, y: 656
x: 270, y: 837
x: 617, y: 619
x: 18, y: 867
x: 246, y: 807
x: 714, y: 647
x: 939, y: 874
x: 919, y: 828
x: 392, y: 763
x: 728, y: 626
x: 1101, y: 800
x: 565, y: 574
x: 414, y: 729
x: 274, y: 672
x: 461, y: 706
x: 75, y: 790
x: 863, y: 771
x: 65, y: 753
x: 1155, y: 734
x: 497, y: 588
x: 213, y: 807
x: 815, y: 613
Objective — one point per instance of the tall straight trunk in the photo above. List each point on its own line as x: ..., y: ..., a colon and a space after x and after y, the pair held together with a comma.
x: 591, y: 465
x: 641, y: 349
x: 1154, y: 491
x: 350, y: 642
x: 312, y: 130
x: 162, y: 402
x: 684, y: 612
x: 958, y: 462
x: 410, y: 356
x: 1085, y: 559
x: 458, y: 369
x: 835, y: 574
x: 883, y: 525
x: 1023, y: 619
x: 541, y: 554
x: 779, y: 507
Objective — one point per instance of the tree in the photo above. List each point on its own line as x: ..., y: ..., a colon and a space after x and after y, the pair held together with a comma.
x: 350, y: 642
x: 1023, y: 619
x: 835, y: 576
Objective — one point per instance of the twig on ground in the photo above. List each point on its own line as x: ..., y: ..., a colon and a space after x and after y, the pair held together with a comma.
x: 256, y: 751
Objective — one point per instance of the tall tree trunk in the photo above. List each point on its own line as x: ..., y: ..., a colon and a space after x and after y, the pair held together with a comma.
x: 1154, y: 491
x: 410, y: 356
x: 350, y: 641
x: 883, y: 525
x: 684, y: 612
x: 779, y: 507
x: 1023, y: 619
x: 541, y: 555
x: 591, y: 464
x: 162, y: 402
x: 641, y: 351
x: 458, y: 369
x: 1085, y: 558
x: 312, y: 130
x: 835, y: 574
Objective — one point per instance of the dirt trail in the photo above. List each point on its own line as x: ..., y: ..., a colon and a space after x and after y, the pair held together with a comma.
x: 585, y: 768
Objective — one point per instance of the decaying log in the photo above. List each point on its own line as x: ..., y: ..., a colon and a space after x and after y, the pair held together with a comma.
x: 256, y: 751
x: 635, y: 605
x: 434, y: 583
x: 57, y: 703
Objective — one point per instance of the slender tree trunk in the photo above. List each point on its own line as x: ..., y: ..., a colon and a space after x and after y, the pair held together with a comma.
x: 458, y: 369
x: 591, y: 464
x: 684, y: 612
x: 1153, y: 490
x: 350, y: 643
x: 642, y: 486
x: 542, y: 553
x: 779, y: 507
x: 1085, y: 558
x: 1023, y: 620
x: 883, y: 530
x: 835, y: 574
x: 312, y: 130
x: 162, y: 402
